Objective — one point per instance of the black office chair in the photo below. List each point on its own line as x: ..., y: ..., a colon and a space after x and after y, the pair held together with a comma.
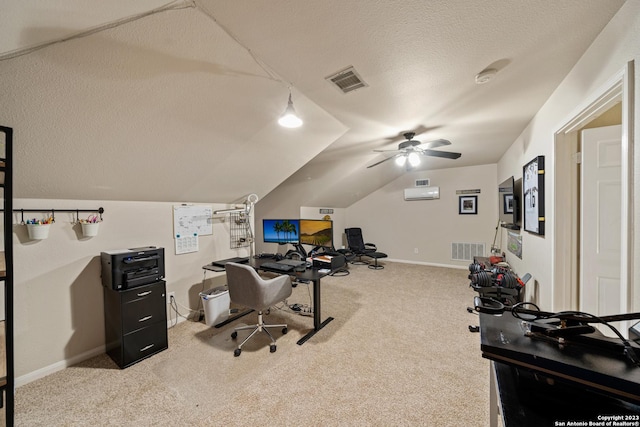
x: 361, y: 249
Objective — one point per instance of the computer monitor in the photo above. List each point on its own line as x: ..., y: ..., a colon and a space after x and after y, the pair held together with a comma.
x: 316, y: 232
x: 281, y: 231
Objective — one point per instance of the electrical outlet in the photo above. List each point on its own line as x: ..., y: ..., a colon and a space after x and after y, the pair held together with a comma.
x: 169, y: 295
x: 415, y: 250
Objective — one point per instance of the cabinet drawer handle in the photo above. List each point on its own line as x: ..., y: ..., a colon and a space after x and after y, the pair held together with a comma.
x: 146, y: 348
x: 144, y: 294
x: 144, y: 319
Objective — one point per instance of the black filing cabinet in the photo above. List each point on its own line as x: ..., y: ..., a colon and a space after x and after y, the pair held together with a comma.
x: 135, y: 322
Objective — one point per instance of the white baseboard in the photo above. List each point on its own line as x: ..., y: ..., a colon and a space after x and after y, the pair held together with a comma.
x: 63, y: 364
x: 172, y: 322
x: 431, y: 264
x: 58, y: 366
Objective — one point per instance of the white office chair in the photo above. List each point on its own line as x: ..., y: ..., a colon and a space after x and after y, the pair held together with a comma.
x: 248, y: 289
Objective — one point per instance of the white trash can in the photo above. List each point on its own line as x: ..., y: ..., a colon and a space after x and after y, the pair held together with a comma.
x: 216, y: 304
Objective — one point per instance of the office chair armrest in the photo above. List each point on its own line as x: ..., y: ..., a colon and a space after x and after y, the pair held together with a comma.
x: 370, y: 246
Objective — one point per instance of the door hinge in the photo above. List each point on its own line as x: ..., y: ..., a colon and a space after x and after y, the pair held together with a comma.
x: 577, y: 157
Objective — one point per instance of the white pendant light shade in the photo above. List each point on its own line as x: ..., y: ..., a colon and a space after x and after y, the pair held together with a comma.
x: 401, y: 160
x: 414, y: 159
x: 289, y: 118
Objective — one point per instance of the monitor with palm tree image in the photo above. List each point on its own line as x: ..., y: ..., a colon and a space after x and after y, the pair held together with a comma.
x: 281, y: 231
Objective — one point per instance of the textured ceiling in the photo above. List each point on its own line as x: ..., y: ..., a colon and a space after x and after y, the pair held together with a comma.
x: 181, y: 105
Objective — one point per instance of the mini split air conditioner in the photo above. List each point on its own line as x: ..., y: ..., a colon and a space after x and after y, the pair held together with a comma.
x: 422, y: 193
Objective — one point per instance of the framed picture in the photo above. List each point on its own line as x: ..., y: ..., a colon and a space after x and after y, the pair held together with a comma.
x: 533, y: 191
x: 507, y: 203
x: 468, y: 205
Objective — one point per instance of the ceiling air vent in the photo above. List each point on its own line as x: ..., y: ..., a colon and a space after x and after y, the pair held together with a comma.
x: 347, y: 80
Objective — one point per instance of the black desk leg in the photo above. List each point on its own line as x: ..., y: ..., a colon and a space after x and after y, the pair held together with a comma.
x: 317, y: 322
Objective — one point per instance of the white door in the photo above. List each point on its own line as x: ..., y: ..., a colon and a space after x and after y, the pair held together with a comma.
x: 601, y: 292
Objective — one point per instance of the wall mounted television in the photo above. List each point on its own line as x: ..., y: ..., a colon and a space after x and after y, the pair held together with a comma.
x: 509, y: 196
x: 316, y: 232
x: 281, y: 231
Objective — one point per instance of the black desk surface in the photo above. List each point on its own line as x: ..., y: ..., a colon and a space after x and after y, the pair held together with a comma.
x: 541, y: 384
x: 310, y: 273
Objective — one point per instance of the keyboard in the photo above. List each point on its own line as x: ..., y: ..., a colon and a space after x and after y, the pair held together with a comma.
x: 292, y: 262
x: 277, y: 267
x: 238, y: 260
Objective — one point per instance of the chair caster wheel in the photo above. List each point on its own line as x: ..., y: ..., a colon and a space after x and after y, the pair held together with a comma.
x: 272, y: 348
x: 234, y: 335
x: 237, y: 352
x: 285, y: 330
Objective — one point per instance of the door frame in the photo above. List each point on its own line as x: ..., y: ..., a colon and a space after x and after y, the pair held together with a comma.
x: 564, y: 262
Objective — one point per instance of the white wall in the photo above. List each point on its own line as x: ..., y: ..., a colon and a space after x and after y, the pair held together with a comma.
x: 609, y: 53
x: 397, y: 226
x: 58, y: 291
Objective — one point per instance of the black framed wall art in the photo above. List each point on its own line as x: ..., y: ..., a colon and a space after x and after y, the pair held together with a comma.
x: 507, y: 203
x: 533, y: 191
x: 468, y: 205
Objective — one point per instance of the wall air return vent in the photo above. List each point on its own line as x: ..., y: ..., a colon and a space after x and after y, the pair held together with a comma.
x: 347, y: 80
x: 422, y: 182
x: 462, y: 251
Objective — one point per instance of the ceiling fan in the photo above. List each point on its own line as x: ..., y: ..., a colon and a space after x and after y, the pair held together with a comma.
x: 409, y: 151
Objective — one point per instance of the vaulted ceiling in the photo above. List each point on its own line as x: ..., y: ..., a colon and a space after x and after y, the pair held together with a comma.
x: 181, y: 105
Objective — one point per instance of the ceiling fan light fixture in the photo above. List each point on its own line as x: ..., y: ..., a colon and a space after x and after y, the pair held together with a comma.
x: 289, y: 118
x: 414, y: 159
x: 401, y: 160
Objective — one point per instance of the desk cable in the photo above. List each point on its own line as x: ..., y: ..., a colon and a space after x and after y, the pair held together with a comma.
x: 173, y: 305
x: 303, y: 309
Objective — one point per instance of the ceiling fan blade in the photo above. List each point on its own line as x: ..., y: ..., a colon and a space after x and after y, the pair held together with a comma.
x: 443, y: 154
x: 382, y: 161
x: 387, y: 151
x: 434, y: 144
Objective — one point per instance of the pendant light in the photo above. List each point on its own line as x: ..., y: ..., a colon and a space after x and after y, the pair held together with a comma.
x: 289, y: 118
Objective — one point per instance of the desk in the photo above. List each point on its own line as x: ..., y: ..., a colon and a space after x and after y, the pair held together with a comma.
x: 538, y: 384
x: 310, y: 274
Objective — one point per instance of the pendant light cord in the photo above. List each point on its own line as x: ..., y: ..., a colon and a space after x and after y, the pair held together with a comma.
x: 271, y: 75
x: 174, y: 5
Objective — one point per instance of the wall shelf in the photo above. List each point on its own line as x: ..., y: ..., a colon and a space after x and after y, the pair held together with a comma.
x: 53, y: 211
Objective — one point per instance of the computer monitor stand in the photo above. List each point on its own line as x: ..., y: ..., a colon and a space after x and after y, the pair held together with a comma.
x: 299, y: 251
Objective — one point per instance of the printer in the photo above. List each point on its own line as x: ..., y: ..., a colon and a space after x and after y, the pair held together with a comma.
x: 330, y: 262
x: 129, y: 268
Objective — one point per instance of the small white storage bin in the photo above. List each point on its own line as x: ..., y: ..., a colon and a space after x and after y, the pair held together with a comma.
x: 38, y: 231
x: 216, y: 304
x: 90, y: 229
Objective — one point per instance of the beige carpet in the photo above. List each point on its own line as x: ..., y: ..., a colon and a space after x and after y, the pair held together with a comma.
x: 398, y: 353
